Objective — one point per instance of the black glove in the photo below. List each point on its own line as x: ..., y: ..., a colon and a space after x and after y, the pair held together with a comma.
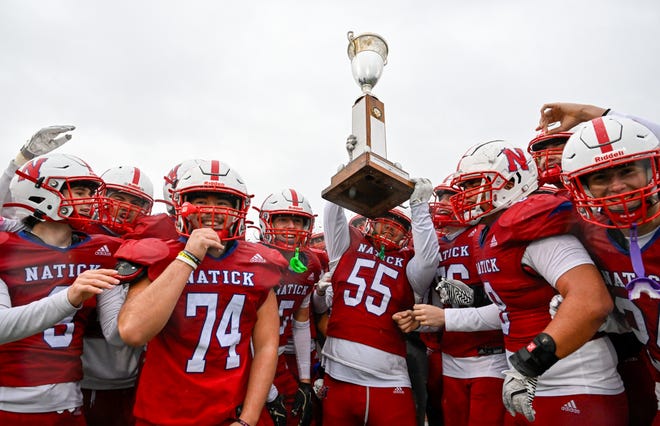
x: 277, y: 410
x: 302, y: 404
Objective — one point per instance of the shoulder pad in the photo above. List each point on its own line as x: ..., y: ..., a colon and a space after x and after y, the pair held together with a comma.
x: 154, y: 226
x: 145, y: 251
x: 539, y: 216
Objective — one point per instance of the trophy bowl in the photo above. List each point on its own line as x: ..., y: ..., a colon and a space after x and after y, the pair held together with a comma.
x: 368, y: 55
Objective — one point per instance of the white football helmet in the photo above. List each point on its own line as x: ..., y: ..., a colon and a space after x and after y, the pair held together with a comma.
x: 128, y: 196
x: 607, y: 143
x: 492, y: 176
x: 171, y: 179
x: 219, y: 179
x: 287, y: 202
x: 392, y: 230
x: 38, y: 190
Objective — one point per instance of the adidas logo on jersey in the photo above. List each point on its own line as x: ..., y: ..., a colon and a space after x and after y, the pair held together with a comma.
x: 103, y: 251
x: 398, y: 391
x: 570, y: 407
x: 311, y: 277
x: 493, y: 242
x: 257, y: 258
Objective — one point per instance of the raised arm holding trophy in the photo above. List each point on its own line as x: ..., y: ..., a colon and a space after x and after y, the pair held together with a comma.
x: 369, y: 184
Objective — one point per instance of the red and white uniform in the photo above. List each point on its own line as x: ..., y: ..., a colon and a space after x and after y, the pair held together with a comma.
x: 41, y: 373
x: 522, y: 293
x: 293, y: 293
x: 472, y: 362
x: 610, y: 251
x: 364, y: 348
x: 203, y: 346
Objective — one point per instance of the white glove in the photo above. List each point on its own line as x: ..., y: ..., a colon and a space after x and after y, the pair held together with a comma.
x: 455, y: 293
x: 554, y: 305
x: 45, y: 140
x: 324, y: 283
x: 422, y: 192
x: 518, y: 393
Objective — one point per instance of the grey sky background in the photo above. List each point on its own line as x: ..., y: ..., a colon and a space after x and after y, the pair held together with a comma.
x: 266, y: 86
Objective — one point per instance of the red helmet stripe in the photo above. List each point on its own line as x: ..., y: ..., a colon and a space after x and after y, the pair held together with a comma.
x: 215, y: 170
x: 294, y: 197
x: 601, y: 135
x: 136, y: 176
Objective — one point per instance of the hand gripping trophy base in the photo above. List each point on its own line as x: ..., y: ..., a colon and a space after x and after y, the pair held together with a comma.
x: 369, y: 185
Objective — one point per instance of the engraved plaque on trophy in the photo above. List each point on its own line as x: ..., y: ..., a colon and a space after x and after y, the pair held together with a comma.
x: 369, y: 184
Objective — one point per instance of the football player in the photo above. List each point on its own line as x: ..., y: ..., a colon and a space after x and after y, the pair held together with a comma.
x: 286, y: 220
x: 364, y: 354
x: 41, y: 369
x: 201, y: 303
x: 472, y: 362
x: 111, y: 369
x: 560, y: 369
x: 612, y: 169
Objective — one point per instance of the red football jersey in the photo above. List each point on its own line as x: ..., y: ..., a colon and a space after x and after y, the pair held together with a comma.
x: 32, y: 271
x: 292, y: 290
x: 368, y: 290
x: 197, y: 368
x: 457, y: 262
x: 522, y: 296
x: 611, y: 254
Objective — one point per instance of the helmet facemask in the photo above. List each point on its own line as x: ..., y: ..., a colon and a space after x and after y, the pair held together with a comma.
x: 120, y: 211
x: 546, y: 150
x: 636, y: 206
x: 391, y: 231
x: 288, y: 238
x: 228, y: 221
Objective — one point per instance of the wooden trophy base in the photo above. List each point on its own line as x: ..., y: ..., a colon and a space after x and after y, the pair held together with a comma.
x: 369, y: 185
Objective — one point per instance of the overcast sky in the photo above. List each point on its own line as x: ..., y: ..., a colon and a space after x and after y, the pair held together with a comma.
x: 266, y: 86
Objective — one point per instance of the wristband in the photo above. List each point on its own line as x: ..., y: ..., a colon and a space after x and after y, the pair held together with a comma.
x: 607, y: 111
x: 535, y: 358
x: 191, y: 257
x: 241, y: 422
x: 186, y: 260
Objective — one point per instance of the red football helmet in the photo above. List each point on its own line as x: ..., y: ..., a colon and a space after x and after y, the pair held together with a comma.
x: 609, y: 146
x: 441, y: 210
x: 392, y: 230
x: 546, y: 151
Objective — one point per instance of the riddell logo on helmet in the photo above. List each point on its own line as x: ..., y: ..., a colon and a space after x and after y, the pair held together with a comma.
x: 609, y: 156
